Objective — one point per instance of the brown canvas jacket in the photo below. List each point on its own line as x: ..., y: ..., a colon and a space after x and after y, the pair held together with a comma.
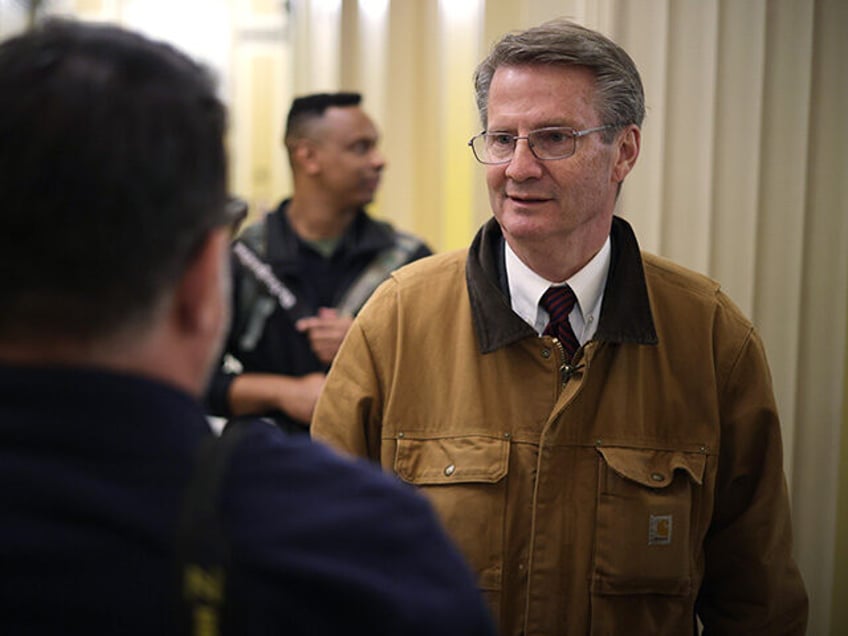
x: 624, y: 497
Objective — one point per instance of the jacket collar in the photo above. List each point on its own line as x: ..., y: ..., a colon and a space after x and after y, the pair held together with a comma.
x: 364, y: 236
x: 625, y: 313
x: 626, y: 310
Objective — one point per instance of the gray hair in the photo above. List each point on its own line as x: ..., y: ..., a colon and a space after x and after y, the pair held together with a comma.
x: 560, y: 42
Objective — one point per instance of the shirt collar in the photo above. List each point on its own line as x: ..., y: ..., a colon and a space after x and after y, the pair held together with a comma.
x: 526, y: 288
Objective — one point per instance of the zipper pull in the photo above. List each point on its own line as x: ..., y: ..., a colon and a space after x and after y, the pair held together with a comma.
x: 569, y: 370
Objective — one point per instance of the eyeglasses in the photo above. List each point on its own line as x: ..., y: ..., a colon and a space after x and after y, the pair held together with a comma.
x: 546, y: 144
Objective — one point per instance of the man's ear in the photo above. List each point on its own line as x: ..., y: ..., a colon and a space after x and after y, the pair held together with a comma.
x: 627, y: 145
x: 306, y: 156
x: 200, y: 296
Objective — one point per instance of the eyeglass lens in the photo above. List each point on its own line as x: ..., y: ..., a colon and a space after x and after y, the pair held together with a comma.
x: 547, y: 143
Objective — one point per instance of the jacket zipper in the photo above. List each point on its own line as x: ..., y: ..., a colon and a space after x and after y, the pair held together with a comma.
x: 566, y: 369
x: 563, y: 374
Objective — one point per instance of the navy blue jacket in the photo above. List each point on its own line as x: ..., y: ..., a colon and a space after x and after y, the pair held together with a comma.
x: 93, y: 466
x: 317, y: 281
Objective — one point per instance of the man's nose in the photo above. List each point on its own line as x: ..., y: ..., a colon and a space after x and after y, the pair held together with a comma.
x: 523, y: 164
x: 378, y: 160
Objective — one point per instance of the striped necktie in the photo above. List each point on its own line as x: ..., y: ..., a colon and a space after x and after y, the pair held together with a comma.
x: 558, y: 302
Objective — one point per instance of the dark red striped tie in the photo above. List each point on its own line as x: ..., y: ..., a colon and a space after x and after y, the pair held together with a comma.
x: 558, y: 302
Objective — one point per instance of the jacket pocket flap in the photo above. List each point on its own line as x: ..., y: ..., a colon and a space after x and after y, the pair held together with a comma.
x: 654, y: 468
x: 451, y: 460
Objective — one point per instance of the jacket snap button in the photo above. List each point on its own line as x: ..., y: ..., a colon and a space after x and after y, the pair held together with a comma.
x: 449, y: 469
x: 657, y: 476
x: 546, y: 353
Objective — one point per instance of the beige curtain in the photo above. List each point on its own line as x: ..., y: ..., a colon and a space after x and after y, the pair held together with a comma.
x: 743, y: 174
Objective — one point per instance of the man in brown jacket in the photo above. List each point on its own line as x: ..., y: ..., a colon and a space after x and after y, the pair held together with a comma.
x: 596, y: 426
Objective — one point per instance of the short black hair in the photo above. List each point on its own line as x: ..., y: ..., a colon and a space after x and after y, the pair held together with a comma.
x: 112, y: 170
x: 309, y: 107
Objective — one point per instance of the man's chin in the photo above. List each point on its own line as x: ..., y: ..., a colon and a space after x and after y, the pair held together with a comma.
x: 522, y: 225
x: 365, y: 200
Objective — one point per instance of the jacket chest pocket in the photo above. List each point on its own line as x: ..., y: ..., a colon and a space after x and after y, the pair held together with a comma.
x: 464, y: 478
x: 645, y: 520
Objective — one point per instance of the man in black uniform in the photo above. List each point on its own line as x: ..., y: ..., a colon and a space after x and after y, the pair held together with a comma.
x: 302, y: 272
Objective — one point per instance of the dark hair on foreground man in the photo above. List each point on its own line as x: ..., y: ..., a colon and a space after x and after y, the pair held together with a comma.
x: 114, y: 243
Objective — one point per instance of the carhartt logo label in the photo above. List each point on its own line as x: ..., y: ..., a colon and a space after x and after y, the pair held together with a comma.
x: 659, y: 530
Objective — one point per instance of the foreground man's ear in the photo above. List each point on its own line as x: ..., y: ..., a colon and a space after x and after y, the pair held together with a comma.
x: 201, y: 295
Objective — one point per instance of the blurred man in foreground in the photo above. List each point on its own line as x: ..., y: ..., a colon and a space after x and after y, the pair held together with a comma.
x: 115, y: 228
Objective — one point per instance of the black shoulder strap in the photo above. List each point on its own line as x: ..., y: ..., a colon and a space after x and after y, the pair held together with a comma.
x: 384, y: 263
x: 254, y: 306
x: 256, y: 237
x: 251, y: 308
x: 202, y: 547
